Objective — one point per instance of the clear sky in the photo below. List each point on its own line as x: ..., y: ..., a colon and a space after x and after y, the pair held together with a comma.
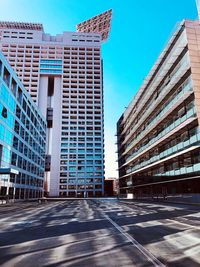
x: 140, y: 29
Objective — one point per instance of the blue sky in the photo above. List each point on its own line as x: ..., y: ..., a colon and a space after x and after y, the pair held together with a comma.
x: 140, y: 29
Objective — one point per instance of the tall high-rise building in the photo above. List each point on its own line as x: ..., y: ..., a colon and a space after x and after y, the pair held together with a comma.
x: 159, y: 133
x: 64, y: 75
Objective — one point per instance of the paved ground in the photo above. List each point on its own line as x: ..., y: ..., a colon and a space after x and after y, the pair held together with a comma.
x: 99, y: 233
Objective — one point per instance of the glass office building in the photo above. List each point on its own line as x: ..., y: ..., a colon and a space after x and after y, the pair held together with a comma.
x: 159, y: 134
x: 22, y: 139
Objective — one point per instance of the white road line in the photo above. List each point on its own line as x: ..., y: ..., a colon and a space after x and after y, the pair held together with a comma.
x: 185, y: 224
x: 145, y: 252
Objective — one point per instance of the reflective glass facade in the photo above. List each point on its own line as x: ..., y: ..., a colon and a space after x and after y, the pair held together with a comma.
x: 22, y: 139
x: 159, y: 134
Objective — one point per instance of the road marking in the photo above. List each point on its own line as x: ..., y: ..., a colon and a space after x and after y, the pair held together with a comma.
x: 184, y: 223
x: 145, y: 252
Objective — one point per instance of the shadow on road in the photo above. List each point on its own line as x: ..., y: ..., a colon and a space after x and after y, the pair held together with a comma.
x: 74, y: 233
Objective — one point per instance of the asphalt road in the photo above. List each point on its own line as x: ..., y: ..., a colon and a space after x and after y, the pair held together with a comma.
x: 99, y: 233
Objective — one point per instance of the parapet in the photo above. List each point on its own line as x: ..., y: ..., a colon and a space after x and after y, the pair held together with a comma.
x: 21, y: 25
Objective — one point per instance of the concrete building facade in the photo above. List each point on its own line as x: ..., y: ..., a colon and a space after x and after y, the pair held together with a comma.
x: 64, y: 75
x: 22, y: 139
x: 158, y: 134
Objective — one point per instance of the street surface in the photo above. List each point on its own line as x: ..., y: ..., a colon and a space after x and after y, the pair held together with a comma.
x: 94, y: 233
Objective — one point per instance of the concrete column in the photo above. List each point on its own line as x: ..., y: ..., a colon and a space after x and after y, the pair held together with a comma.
x: 14, y: 190
x: 54, y: 138
x: 42, y: 95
